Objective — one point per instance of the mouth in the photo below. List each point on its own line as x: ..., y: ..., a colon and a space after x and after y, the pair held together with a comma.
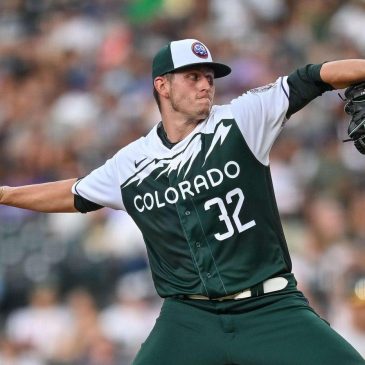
x: 205, y: 99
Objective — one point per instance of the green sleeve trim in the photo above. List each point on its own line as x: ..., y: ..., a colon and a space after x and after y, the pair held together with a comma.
x: 305, y: 84
x: 84, y: 205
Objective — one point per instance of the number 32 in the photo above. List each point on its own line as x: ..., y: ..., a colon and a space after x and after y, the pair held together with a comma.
x: 224, y: 214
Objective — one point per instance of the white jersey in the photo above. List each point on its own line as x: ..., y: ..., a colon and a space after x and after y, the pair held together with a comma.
x: 205, y: 206
x: 260, y: 115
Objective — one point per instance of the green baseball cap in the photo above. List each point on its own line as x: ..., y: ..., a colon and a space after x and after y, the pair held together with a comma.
x: 183, y: 53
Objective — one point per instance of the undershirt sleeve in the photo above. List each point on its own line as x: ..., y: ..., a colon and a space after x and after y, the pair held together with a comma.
x: 84, y: 205
x: 305, y: 84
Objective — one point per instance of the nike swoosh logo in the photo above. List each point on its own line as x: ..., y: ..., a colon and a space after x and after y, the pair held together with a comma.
x: 136, y: 164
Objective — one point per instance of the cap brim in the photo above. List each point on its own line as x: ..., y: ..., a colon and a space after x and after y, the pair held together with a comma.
x: 219, y: 69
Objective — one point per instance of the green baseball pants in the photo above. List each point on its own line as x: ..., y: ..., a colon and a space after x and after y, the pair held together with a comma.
x: 274, y: 329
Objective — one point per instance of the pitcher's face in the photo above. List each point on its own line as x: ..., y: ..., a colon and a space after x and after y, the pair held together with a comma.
x: 191, y: 92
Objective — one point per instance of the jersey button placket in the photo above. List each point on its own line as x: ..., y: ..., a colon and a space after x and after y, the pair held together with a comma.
x: 195, y: 239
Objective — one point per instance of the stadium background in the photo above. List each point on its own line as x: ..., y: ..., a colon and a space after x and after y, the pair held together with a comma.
x: 75, y: 86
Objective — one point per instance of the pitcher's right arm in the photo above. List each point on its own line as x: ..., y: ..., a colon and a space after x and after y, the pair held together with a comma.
x: 52, y: 197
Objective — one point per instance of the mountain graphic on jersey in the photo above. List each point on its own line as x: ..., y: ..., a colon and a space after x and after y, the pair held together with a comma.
x: 183, y: 160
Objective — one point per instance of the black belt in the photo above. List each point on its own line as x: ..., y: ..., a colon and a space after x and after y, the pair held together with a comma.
x: 267, y: 286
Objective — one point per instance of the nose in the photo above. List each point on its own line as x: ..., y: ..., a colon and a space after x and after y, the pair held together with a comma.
x: 206, y: 83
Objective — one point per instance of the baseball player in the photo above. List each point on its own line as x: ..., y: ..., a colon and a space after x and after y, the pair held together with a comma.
x: 199, y: 188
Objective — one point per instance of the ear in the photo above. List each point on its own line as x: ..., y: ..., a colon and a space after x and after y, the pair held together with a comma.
x: 162, y: 86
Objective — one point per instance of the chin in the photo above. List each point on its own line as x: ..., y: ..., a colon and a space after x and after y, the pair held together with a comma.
x: 204, y: 113
x: 198, y: 115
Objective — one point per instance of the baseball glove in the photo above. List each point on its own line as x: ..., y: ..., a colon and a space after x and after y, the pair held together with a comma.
x: 355, y: 107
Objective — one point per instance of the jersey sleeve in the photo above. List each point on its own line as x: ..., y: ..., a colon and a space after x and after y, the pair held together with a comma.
x: 261, y: 114
x: 103, y: 185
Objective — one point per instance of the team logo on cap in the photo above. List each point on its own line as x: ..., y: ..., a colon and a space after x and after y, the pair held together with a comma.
x: 199, y: 50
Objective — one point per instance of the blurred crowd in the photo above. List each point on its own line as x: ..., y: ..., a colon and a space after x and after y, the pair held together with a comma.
x: 75, y: 86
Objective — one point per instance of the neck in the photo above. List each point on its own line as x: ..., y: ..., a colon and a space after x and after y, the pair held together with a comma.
x: 177, y: 129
